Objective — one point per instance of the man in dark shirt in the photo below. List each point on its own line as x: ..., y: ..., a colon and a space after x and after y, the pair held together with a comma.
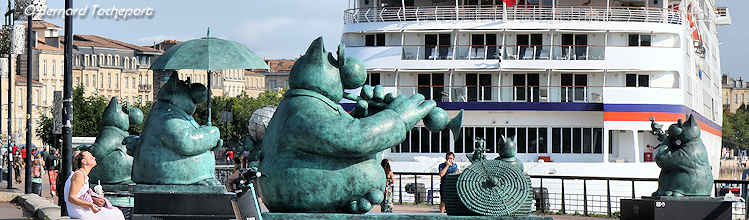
x: 446, y: 168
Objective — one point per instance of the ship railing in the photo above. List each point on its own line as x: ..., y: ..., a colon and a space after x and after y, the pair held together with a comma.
x: 511, y: 52
x: 487, y: 93
x: 421, y: 52
x: 588, y: 196
x: 436, y: 13
x: 478, y: 52
x: 554, y: 52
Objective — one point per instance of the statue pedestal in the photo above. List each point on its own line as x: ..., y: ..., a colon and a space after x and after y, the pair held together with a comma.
x: 391, y: 216
x: 120, y: 196
x: 657, y: 208
x: 181, y: 202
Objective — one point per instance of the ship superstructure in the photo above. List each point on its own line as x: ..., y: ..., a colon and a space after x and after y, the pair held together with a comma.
x: 575, y: 81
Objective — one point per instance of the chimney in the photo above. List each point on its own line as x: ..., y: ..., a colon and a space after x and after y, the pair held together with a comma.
x: 52, y: 41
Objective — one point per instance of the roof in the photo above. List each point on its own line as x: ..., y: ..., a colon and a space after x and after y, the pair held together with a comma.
x: 99, y: 41
x: 280, y: 65
x: 21, y: 80
x: 42, y: 24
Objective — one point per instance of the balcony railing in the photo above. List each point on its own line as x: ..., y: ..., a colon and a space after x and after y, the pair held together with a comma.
x: 554, y: 52
x: 436, y: 13
x: 144, y: 87
x: 511, y: 52
x: 471, y: 93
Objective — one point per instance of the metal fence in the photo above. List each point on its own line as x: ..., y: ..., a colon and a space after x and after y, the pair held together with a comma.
x: 567, y: 194
x: 554, y: 194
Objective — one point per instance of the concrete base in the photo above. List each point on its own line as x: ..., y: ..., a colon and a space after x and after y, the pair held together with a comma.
x: 663, y: 208
x: 378, y: 216
x: 181, y: 202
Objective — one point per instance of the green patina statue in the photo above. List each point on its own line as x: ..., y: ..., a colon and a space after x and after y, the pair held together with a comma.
x: 115, y: 164
x: 496, y: 187
x: 319, y: 158
x: 173, y: 148
x: 685, y: 169
x: 508, y: 151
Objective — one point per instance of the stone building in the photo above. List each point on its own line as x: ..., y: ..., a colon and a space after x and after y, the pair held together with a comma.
x: 735, y: 93
x: 278, y: 76
x: 254, y: 83
x: 108, y: 67
x: 102, y: 66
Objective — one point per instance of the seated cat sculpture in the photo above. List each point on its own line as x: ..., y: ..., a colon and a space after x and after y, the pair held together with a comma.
x: 319, y: 158
x: 682, y: 157
x: 173, y: 148
x: 115, y: 165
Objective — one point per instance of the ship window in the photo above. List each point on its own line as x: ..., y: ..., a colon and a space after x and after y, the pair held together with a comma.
x: 484, y: 46
x: 479, y: 87
x: 635, y: 80
x: 541, y: 140
x: 530, y: 46
x: 532, y: 140
x: 490, y: 140
x: 445, y: 141
x: 479, y: 133
x: 526, y: 87
x: 520, y: 141
x: 597, y: 140
x: 566, y: 140
x: 641, y: 40
x: 573, y: 87
x: 431, y: 86
x: 371, y: 40
x: 587, y: 141
x: 468, y: 141
x: 576, y: 140
x: 424, y: 139
x: 373, y: 79
x: 643, y: 80
x: 415, y: 143
x: 437, y: 46
x: 556, y: 140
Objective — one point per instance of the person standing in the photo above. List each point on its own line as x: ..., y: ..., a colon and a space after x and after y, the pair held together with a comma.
x: 50, y: 163
x: 387, y: 203
x: 37, y: 170
x: 446, y: 168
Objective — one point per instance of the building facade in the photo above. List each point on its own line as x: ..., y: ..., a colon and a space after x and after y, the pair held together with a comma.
x: 278, y: 76
x: 735, y: 93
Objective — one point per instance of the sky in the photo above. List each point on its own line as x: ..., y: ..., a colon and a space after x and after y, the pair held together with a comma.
x: 271, y: 28
x: 284, y: 28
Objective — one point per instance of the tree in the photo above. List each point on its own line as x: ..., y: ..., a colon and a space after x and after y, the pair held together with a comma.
x: 5, y: 35
x: 736, y: 128
x: 87, y: 113
x: 241, y: 108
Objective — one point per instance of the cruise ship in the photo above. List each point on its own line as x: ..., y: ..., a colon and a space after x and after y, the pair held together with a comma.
x: 575, y: 81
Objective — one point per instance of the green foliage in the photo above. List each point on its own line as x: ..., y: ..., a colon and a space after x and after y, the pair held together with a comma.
x: 145, y: 108
x: 736, y: 128
x: 5, y: 33
x: 241, y: 108
x: 87, y: 112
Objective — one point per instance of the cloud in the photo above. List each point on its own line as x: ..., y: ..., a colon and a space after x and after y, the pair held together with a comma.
x: 155, y: 39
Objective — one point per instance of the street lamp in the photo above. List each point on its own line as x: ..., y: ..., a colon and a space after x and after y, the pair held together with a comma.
x: 9, y: 24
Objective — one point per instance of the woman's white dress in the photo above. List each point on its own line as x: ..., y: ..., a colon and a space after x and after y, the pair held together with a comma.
x: 75, y: 211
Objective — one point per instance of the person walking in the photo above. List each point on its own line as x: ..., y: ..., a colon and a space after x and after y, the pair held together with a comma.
x: 387, y: 203
x: 446, y: 168
x: 37, y: 170
x: 50, y: 162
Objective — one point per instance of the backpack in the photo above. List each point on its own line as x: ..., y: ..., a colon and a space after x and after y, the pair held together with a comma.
x: 36, y: 171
